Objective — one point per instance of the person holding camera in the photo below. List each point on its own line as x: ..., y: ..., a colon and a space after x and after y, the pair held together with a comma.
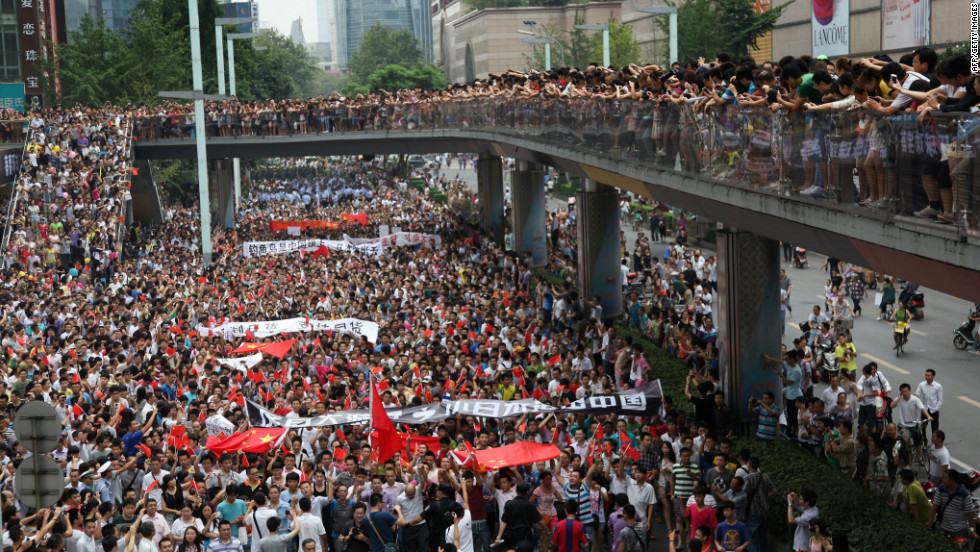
x: 353, y: 537
x: 382, y: 525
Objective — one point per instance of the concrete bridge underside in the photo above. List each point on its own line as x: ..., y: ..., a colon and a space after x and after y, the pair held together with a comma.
x: 934, y: 258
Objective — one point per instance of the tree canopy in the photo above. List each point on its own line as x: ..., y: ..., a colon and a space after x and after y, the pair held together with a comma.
x: 735, y: 27
x: 98, y: 65
x: 395, y: 77
x: 380, y: 47
x: 623, y: 47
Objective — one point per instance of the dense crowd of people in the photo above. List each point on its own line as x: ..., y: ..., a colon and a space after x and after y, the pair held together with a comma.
x: 117, y: 344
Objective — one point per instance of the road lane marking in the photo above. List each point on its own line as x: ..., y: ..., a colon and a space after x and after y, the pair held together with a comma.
x: 886, y: 364
x: 968, y: 400
x: 917, y: 332
x: 966, y: 467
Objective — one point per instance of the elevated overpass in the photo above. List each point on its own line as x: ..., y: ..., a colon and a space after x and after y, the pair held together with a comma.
x: 938, y: 257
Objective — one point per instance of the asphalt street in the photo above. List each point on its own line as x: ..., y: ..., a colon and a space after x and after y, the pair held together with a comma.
x: 930, y: 345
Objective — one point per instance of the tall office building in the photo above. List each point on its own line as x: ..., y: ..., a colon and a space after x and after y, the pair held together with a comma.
x: 325, y: 11
x: 355, y: 17
x: 296, y: 32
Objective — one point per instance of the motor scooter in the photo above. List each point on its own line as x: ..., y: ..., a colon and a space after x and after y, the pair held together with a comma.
x: 963, y: 336
x: 914, y: 300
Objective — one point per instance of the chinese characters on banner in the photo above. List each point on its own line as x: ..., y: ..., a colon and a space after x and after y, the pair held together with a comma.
x: 260, y: 330
x: 643, y: 401
x: 33, y: 33
x: 368, y: 246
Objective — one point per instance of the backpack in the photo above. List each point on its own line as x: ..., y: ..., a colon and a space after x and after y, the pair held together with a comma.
x: 639, y: 545
x: 342, y: 513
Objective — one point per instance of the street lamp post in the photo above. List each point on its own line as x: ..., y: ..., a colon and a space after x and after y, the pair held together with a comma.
x: 235, y: 162
x: 560, y: 45
x: 219, y: 24
x: 672, y: 12
x: 604, y: 27
x: 547, y: 50
x: 202, y: 155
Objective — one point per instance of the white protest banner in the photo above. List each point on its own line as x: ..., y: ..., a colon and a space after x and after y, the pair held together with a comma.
x: 368, y: 246
x: 218, y: 424
x: 241, y: 363
x: 268, y: 328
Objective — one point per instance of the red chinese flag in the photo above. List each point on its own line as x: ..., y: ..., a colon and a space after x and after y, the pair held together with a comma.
x: 152, y: 486
x: 624, y: 439
x: 428, y: 396
x: 346, y: 401
x: 383, y: 386
x: 280, y: 349
x: 339, y: 454
x: 322, y: 250
x: 77, y: 410
x: 387, y: 443
x: 146, y: 450
x: 245, y: 460
x: 554, y: 360
x: 523, y: 427
x: 340, y: 435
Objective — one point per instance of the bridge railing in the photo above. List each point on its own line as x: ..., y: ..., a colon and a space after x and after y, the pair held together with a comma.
x: 872, y: 165
x: 13, y: 130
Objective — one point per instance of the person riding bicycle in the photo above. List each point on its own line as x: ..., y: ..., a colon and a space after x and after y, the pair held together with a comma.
x: 909, y: 407
x: 901, y: 317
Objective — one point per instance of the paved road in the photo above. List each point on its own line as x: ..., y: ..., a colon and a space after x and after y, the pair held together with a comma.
x: 930, y: 346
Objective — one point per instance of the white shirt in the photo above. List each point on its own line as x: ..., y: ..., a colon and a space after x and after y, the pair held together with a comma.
x: 180, y: 526
x: 931, y: 395
x: 937, y: 459
x: 641, y: 497
x: 258, y: 520
x: 909, y: 410
x: 311, y: 527
x: 503, y: 498
x: 465, y: 533
x: 829, y: 397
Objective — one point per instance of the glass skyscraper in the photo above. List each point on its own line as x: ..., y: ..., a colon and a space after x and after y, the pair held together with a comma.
x: 355, y: 17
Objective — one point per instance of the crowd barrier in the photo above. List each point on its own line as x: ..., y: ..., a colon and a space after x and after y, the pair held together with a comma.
x: 876, y: 166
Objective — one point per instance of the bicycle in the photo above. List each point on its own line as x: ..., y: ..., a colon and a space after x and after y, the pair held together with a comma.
x: 921, y: 453
x: 901, y: 335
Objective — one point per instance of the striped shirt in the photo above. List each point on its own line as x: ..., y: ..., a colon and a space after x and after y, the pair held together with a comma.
x: 217, y: 545
x: 581, y: 496
x: 684, y: 483
x: 768, y: 423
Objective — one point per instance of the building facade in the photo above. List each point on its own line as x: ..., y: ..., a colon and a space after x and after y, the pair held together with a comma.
x: 355, y: 17
x: 470, y: 45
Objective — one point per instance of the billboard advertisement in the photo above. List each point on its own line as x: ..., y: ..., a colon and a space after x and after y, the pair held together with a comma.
x: 904, y: 24
x: 831, y: 27
x: 12, y: 96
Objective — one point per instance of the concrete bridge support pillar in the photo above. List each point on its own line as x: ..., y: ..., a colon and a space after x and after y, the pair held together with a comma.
x: 222, y: 191
x: 747, y: 316
x: 490, y: 189
x: 598, y: 246
x: 527, y: 191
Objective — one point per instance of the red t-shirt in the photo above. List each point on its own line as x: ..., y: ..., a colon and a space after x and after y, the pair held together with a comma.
x: 569, y: 535
x: 704, y: 517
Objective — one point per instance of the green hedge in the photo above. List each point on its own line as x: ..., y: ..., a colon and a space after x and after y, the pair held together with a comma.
x: 671, y: 372
x: 871, y: 525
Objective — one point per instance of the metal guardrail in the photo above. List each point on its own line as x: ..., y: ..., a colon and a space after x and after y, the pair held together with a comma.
x: 127, y: 197
x: 12, y: 208
x: 863, y: 163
